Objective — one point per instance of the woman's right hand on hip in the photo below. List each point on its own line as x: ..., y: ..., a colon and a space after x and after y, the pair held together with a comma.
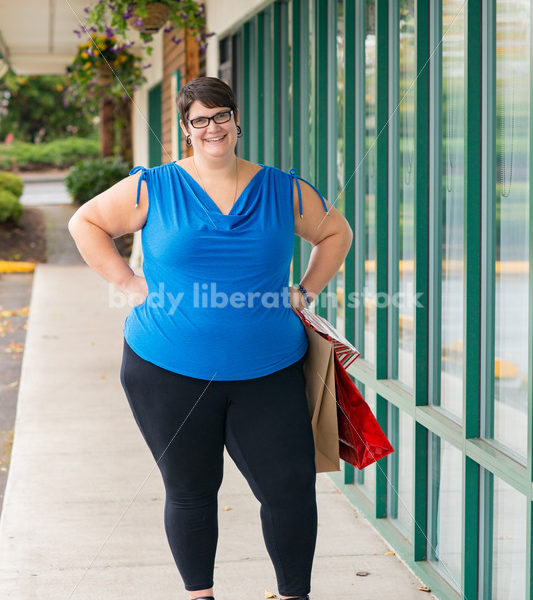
x: 135, y: 290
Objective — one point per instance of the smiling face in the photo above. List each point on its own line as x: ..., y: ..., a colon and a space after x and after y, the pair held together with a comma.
x: 216, y: 139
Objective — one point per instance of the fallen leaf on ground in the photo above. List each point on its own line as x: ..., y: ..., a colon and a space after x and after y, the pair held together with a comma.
x: 270, y: 594
x: 227, y: 508
x: 423, y: 588
x: 390, y: 553
x: 15, y: 347
x: 362, y: 573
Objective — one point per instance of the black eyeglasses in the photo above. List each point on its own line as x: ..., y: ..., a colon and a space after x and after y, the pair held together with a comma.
x: 221, y: 117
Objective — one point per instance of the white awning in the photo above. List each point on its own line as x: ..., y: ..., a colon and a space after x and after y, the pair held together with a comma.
x: 37, y: 36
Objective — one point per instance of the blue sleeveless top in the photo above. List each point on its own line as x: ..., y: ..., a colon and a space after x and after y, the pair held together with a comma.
x: 218, y: 304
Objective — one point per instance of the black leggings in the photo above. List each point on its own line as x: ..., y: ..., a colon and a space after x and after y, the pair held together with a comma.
x: 266, y: 427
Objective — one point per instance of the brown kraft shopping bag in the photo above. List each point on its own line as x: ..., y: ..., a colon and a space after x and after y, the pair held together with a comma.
x: 319, y: 371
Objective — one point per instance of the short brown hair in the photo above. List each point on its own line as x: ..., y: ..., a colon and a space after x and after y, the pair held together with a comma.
x: 210, y: 91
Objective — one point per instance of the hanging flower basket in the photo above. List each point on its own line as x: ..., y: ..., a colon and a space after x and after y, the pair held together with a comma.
x: 102, y: 67
x: 120, y: 17
x: 157, y: 15
x: 103, y: 75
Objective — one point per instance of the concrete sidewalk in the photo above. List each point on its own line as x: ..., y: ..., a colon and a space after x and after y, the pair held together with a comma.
x: 83, y: 510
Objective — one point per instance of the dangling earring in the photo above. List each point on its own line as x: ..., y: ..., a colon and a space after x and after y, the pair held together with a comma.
x: 239, y: 131
x: 188, y: 140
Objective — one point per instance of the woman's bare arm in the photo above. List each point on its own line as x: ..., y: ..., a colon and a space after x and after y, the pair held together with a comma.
x: 330, y: 235
x: 106, y: 216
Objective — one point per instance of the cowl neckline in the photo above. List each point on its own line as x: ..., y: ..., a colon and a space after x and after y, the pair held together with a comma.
x: 199, y: 192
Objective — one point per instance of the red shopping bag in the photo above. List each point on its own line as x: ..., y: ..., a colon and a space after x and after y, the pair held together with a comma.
x: 361, y: 439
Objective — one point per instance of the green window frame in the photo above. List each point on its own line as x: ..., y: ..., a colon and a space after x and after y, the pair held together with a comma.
x: 288, y: 75
x: 155, y: 126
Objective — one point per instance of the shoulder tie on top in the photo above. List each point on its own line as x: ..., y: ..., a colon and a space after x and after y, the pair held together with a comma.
x: 294, y: 177
x: 143, y: 176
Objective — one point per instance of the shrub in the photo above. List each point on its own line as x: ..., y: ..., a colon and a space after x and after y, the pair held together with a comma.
x: 89, y: 178
x: 12, y: 183
x: 59, y: 153
x: 10, y: 206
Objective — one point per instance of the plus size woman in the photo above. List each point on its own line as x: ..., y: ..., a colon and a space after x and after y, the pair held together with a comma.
x: 213, y: 351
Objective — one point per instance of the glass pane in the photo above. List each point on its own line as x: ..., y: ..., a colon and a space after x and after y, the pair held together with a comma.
x: 400, y: 488
x: 368, y: 484
x: 445, y: 509
x: 369, y: 350
x: 451, y: 217
x: 512, y: 218
x: 405, y: 304
x: 509, y: 543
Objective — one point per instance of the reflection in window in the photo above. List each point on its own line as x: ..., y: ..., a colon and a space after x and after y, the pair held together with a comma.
x: 445, y: 509
x: 370, y: 183
x: 367, y: 477
x: 509, y: 543
x: 400, y: 488
x: 451, y: 217
x: 512, y: 217
x: 402, y: 195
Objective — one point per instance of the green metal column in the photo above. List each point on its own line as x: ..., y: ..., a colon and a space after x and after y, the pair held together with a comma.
x: 155, y: 127
x: 282, y: 107
x: 253, y: 91
x: 348, y: 177
x: 298, y: 68
x: 421, y: 275
x: 321, y: 111
x: 472, y: 307
x: 268, y: 57
x: 382, y: 152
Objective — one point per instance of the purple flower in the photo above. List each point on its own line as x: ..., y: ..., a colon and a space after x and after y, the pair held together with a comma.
x: 203, y: 48
x: 86, y: 10
x: 78, y: 33
x: 147, y: 66
x: 176, y: 40
x: 93, y: 29
x: 112, y: 7
x: 139, y: 23
x: 109, y: 32
x: 168, y: 29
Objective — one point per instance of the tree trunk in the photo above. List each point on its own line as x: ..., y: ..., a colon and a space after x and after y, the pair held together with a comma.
x: 106, y: 127
x: 125, y: 133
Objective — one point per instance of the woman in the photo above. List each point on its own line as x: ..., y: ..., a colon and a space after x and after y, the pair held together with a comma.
x: 213, y: 351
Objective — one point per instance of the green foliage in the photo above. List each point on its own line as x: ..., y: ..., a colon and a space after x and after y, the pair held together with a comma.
x: 10, y: 206
x: 12, y: 183
x: 34, y: 109
x: 89, y: 178
x: 59, y: 153
x: 120, y: 15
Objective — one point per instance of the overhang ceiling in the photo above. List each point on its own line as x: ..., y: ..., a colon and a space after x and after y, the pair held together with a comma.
x: 37, y: 36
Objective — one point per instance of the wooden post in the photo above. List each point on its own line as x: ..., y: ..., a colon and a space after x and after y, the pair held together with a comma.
x: 106, y: 126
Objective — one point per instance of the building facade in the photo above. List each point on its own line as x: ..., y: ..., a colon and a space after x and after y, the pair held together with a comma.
x: 413, y: 119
